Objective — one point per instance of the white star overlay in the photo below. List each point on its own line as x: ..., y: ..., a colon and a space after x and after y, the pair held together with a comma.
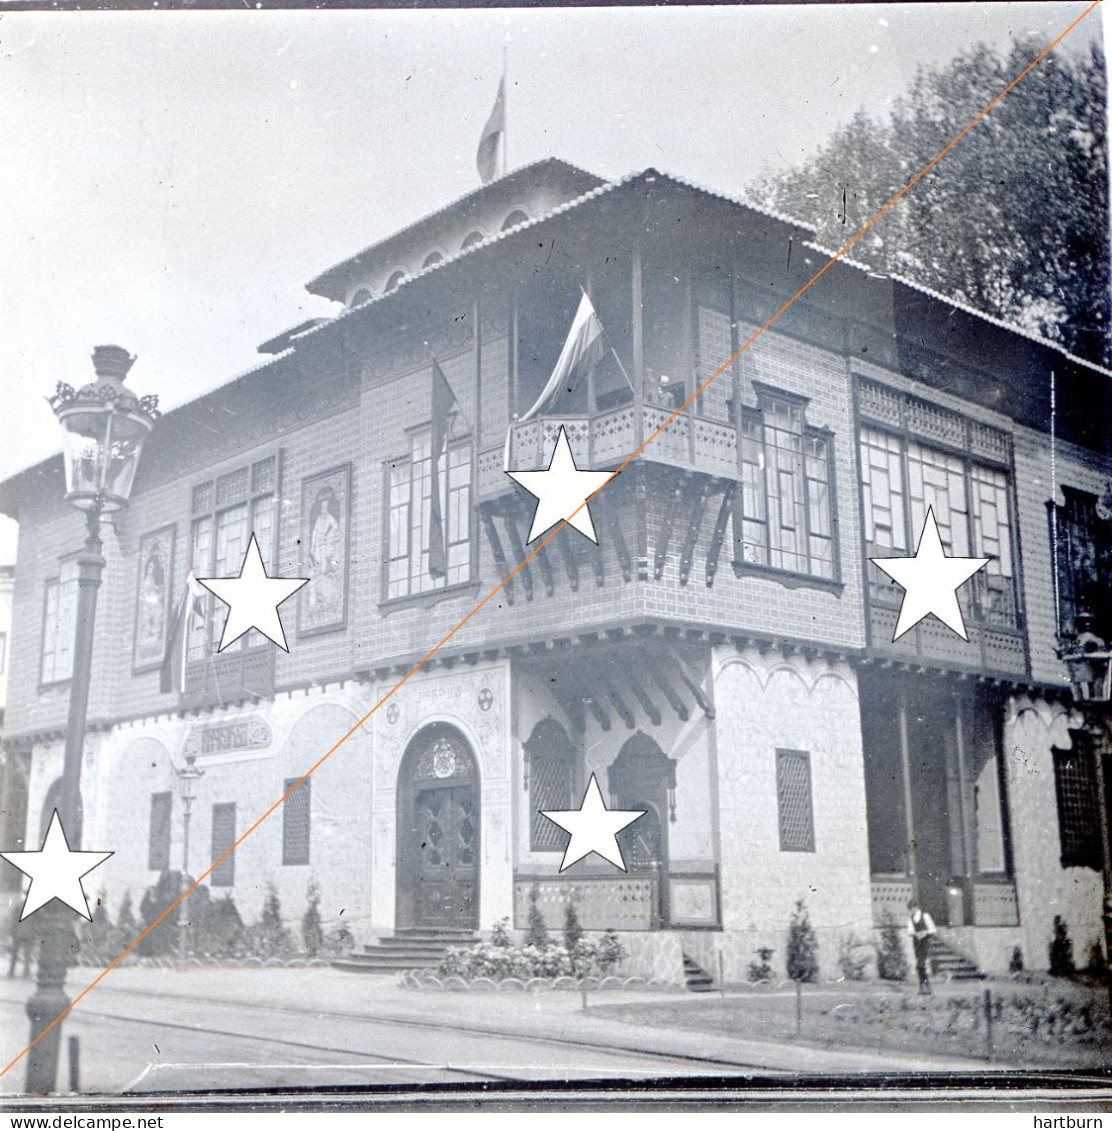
x: 56, y: 872
x: 560, y: 490
x: 593, y: 827
x: 253, y: 599
x: 930, y: 580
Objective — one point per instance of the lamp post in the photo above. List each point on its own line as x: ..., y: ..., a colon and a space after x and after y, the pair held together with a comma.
x: 187, y: 775
x: 1089, y: 662
x: 104, y: 426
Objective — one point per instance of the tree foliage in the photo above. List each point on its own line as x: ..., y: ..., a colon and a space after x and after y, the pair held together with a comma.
x: 1013, y: 220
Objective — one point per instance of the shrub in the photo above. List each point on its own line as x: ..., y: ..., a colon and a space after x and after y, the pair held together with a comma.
x: 269, y: 936
x: 1015, y: 963
x: 1061, y: 950
x: 803, y: 946
x: 853, y: 958
x: 762, y: 971
x: 611, y: 953
x: 155, y: 900
x: 1096, y: 963
x: 500, y: 934
x: 127, y: 929
x: 312, y: 928
x: 891, y: 958
x: 573, y: 931
x: 537, y: 934
x: 219, y: 928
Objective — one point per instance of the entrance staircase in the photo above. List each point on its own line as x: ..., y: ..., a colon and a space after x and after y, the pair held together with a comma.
x: 950, y: 965
x: 406, y: 949
x: 697, y: 979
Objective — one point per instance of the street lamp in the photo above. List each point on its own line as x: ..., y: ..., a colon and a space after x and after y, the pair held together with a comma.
x: 1089, y: 662
x: 187, y: 775
x: 104, y: 426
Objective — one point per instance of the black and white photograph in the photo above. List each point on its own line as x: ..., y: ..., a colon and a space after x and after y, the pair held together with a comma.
x: 555, y: 557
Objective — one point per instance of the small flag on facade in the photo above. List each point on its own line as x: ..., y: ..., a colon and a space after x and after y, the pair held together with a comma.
x: 443, y: 401
x: 582, y: 349
x: 192, y: 604
x: 490, y: 160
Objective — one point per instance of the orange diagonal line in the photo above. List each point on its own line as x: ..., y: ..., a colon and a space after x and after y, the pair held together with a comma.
x: 556, y: 530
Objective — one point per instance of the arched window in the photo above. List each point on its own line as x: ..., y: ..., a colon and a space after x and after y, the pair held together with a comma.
x: 471, y: 239
x: 362, y: 295
x: 432, y: 259
x: 515, y: 217
x: 394, y: 280
x: 550, y: 769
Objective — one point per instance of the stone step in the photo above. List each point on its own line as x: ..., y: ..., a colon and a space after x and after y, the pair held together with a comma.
x: 698, y: 981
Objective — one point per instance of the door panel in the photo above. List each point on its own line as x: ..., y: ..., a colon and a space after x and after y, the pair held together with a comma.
x: 448, y: 859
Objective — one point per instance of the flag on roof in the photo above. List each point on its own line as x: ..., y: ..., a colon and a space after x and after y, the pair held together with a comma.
x: 492, y: 145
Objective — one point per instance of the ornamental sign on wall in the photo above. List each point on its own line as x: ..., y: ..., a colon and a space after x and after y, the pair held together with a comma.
x: 248, y: 733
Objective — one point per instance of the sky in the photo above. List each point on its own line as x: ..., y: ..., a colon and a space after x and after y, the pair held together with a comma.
x: 171, y: 180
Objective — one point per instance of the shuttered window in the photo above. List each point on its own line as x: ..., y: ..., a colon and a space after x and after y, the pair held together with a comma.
x: 793, y: 794
x: 223, y: 837
x: 158, y: 845
x: 295, y: 823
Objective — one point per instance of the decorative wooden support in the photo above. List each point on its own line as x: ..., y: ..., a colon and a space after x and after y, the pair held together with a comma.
x: 670, y: 693
x: 615, y: 527
x: 642, y: 696
x: 594, y: 555
x: 694, y: 688
x: 499, y: 553
x: 526, y: 572
x: 665, y: 536
x: 693, y: 524
x: 719, y: 535
x: 615, y: 697
x: 569, y: 551
x: 546, y: 569
x: 570, y: 703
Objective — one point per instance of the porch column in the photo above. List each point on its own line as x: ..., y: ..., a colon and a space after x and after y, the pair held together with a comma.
x: 905, y: 775
x: 963, y: 812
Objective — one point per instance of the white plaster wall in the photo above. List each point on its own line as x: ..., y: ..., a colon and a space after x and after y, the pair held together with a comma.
x: 766, y: 703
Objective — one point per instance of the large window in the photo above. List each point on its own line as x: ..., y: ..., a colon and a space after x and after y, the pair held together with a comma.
x: 1078, y: 809
x: 785, y: 519
x: 963, y: 477
x: 59, y: 623
x: 1084, y: 565
x: 226, y: 511
x: 411, y: 518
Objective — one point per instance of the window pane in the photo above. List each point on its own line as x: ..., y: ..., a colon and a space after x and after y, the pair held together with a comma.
x: 713, y: 328
x: 201, y: 558
x: 295, y: 822
x: 158, y: 847
x: 223, y: 837
x: 231, y: 545
x: 793, y: 792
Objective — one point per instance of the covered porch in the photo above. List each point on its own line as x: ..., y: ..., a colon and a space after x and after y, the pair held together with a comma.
x: 937, y: 807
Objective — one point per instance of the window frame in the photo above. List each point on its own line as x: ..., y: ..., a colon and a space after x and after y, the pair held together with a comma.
x: 784, y: 757
x: 464, y: 442
x: 63, y: 579
x: 1078, y: 815
x: 974, y: 599
x: 223, y: 875
x: 165, y: 798
x: 251, y: 498
x: 1099, y: 535
x: 753, y: 429
x: 541, y: 747
x: 298, y: 802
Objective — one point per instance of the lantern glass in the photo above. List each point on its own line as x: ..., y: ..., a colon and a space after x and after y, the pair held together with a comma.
x: 102, y: 448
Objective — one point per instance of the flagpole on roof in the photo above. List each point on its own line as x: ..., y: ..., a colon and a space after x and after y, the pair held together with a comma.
x: 505, y: 120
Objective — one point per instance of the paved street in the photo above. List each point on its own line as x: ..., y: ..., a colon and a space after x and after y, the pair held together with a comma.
x: 152, y: 1030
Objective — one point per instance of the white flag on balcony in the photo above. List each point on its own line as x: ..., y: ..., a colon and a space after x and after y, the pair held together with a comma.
x: 582, y: 349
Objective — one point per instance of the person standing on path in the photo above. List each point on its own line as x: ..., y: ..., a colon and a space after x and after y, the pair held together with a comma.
x: 920, y: 926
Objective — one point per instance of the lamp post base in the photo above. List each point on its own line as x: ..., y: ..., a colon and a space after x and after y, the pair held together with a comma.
x: 56, y: 953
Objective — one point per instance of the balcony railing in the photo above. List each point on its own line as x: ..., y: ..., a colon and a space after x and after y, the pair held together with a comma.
x: 605, y: 439
x: 227, y: 677
x: 619, y: 903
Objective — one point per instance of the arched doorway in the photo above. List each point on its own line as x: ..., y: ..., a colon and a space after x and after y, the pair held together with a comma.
x: 438, y: 832
x: 644, y: 777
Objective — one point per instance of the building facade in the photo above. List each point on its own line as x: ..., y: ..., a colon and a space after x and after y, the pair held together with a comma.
x: 722, y: 660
